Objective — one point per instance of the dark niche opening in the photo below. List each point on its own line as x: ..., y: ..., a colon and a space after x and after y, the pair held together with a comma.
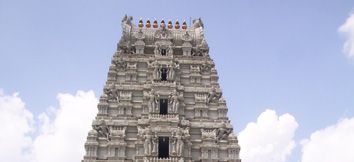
x: 163, y: 52
x: 163, y: 147
x: 163, y: 74
x: 163, y: 106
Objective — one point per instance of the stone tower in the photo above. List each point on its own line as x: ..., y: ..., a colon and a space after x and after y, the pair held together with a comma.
x: 162, y: 101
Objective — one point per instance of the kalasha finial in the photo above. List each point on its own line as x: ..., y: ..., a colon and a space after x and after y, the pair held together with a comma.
x: 141, y: 24
x: 184, y: 25
x: 148, y: 24
x: 162, y: 24
x: 155, y: 25
x: 169, y: 25
x: 177, y: 24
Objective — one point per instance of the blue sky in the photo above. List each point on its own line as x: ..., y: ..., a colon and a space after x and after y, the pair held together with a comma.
x: 280, y: 55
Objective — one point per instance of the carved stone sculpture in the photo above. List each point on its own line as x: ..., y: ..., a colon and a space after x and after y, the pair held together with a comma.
x: 162, y: 101
x: 213, y: 96
x: 172, y: 70
x: 156, y: 74
x: 147, y: 143
x: 173, y: 144
x: 223, y: 132
x: 180, y: 145
x: 102, y: 130
x: 141, y: 131
x: 111, y: 93
x: 174, y: 102
x: 153, y: 100
x: 154, y: 144
x: 120, y: 64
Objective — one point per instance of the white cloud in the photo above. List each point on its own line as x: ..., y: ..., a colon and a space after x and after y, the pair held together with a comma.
x: 15, y: 125
x: 332, y: 144
x: 347, y: 29
x: 61, y: 132
x: 270, y: 139
x: 62, y: 138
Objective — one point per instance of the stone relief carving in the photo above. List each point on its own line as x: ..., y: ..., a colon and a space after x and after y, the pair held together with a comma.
x: 195, y: 69
x: 197, y: 23
x: 118, y: 132
x: 124, y: 44
x: 153, y: 100
x: 173, y: 99
x: 111, y: 92
x: 201, y: 97
x: 127, y: 25
x: 163, y: 34
x: 136, y: 104
x: 173, y: 67
x: 205, y: 67
x: 140, y: 35
x: 184, y: 122
x: 120, y: 64
x: 102, y: 130
x: 179, y: 144
x: 208, y: 134
x: 141, y: 131
x: 173, y: 144
x: 132, y: 66
x: 223, y: 132
x: 163, y: 48
x: 185, y: 132
x: 154, y: 144
x: 186, y: 37
x: 126, y: 47
x: 213, y: 96
x: 148, y: 142
x: 156, y: 74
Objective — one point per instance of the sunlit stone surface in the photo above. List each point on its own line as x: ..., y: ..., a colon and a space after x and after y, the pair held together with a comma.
x: 162, y: 101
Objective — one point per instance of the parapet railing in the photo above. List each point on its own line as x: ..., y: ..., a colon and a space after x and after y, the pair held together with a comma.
x: 163, y: 116
x: 170, y: 159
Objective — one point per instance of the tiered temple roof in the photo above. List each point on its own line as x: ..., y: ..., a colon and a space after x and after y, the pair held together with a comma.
x: 162, y: 101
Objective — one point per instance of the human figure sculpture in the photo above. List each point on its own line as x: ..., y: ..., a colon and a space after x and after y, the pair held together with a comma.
x: 170, y: 50
x: 141, y: 131
x: 205, y: 67
x: 223, y: 132
x: 111, y: 93
x: 202, y: 49
x: 213, y: 95
x: 152, y: 101
x: 185, y: 132
x: 172, y: 70
x: 173, y: 143
x: 180, y: 145
x: 197, y: 23
x: 156, y: 74
x: 120, y: 64
x: 147, y: 143
x: 127, y: 20
x: 126, y: 29
x: 189, y: 145
x: 154, y: 144
x: 157, y: 49
x: 156, y: 100
x: 102, y: 130
x: 174, y: 102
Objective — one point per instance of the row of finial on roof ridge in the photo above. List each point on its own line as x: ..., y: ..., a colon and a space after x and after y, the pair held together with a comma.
x: 162, y: 24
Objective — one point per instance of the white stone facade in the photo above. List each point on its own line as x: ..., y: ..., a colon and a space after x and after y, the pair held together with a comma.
x: 162, y: 101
